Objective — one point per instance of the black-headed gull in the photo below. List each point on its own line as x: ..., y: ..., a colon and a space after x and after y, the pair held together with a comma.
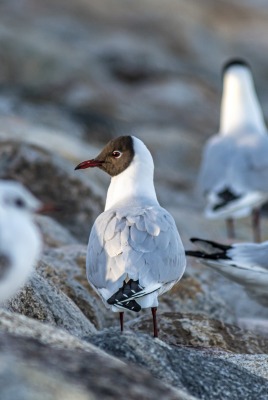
x: 234, y: 169
x: 243, y: 263
x: 20, y: 240
x: 134, y: 252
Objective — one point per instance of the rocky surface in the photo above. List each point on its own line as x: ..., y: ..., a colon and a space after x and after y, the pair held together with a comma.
x: 91, y: 375
x: 43, y: 301
x: 202, y: 332
x: 74, y: 74
x: 202, y: 375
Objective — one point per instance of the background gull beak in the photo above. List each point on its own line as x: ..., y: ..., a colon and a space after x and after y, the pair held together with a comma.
x: 89, y: 164
x: 48, y: 208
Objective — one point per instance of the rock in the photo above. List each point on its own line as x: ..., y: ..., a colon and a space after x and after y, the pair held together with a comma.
x: 190, y: 295
x: 53, y: 234
x: 255, y: 363
x: 65, y: 268
x: 19, y: 381
x: 66, y: 145
x: 53, y: 180
x: 203, y: 376
x: 43, y: 301
x: 22, y: 326
x: 200, y: 331
x: 94, y: 374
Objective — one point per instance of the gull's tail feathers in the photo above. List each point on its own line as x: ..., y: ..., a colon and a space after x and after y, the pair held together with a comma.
x: 209, y: 250
x: 244, y: 263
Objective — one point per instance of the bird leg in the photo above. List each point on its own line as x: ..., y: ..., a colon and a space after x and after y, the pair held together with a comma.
x: 256, y: 226
x: 154, y: 309
x: 121, y: 316
x: 230, y: 228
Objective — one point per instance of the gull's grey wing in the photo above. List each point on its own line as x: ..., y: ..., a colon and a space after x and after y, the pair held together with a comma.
x: 216, y: 158
x: 141, y: 243
x: 238, y: 161
x: 250, y: 255
x: 250, y: 166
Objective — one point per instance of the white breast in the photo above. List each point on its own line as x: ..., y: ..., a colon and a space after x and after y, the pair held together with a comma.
x: 135, y: 183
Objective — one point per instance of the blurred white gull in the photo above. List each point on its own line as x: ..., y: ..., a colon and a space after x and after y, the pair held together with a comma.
x: 134, y: 252
x: 20, y: 240
x: 243, y: 263
x: 234, y: 169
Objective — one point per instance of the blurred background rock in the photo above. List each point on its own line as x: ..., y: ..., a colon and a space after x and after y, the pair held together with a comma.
x: 74, y: 74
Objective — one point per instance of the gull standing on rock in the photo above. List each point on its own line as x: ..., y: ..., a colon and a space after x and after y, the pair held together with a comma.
x: 243, y: 263
x: 20, y: 240
x: 134, y: 252
x: 234, y: 169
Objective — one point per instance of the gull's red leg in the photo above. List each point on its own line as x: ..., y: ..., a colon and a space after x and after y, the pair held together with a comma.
x: 121, y: 316
x: 230, y: 228
x: 154, y: 309
x: 256, y: 226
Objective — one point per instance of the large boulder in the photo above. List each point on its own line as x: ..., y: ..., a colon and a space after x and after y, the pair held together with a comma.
x: 44, y: 371
x: 41, y: 300
x: 202, y: 332
x: 201, y: 374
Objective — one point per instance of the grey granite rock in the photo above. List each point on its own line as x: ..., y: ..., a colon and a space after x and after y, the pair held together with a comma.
x: 65, y: 268
x: 203, y: 376
x: 254, y: 363
x: 41, y: 300
x: 22, y: 326
x: 94, y: 374
x: 53, y: 234
x: 202, y: 332
x: 19, y: 381
x: 190, y: 295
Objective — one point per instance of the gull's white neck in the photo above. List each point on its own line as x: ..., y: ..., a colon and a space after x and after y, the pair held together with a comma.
x: 240, y: 108
x: 135, y: 185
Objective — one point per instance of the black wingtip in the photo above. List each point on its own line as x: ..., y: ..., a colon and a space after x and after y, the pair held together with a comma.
x: 194, y: 239
x: 130, y: 305
x: 233, y: 62
x: 124, y: 297
x: 192, y: 253
x: 218, y: 246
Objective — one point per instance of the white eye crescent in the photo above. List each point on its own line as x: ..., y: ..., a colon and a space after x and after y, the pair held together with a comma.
x: 117, y: 154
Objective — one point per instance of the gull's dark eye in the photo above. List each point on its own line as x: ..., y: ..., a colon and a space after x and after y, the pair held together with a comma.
x: 117, y: 154
x: 19, y: 203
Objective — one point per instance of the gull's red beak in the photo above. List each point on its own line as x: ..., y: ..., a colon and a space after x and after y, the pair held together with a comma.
x: 48, y: 208
x: 89, y: 164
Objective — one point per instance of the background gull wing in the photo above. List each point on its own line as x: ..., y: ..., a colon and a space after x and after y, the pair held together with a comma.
x: 239, y: 162
x: 250, y: 255
x: 250, y: 166
x: 217, y: 155
x: 141, y: 243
